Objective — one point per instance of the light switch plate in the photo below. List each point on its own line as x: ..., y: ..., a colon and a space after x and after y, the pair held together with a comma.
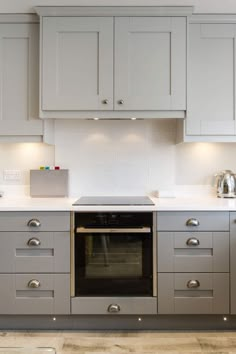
x: 12, y: 175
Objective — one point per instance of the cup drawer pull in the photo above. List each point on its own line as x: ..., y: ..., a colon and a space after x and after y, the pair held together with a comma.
x: 113, y: 308
x: 193, y: 284
x: 192, y: 241
x: 34, y: 242
x: 192, y: 222
x: 33, y: 284
x: 34, y: 223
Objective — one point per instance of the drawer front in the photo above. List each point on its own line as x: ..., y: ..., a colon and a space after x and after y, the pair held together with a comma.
x: 27, y: 252
x: 35, y: 221
x: 193, y: 252
x: 114, y: 305
x: 193, y: 221
x: 19, y: 296
x: 193, y: 293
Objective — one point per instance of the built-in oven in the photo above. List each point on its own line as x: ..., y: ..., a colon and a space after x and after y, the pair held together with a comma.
x: 113, y: 254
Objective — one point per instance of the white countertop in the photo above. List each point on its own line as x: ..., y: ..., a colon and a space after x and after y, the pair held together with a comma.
x: 161, y: 204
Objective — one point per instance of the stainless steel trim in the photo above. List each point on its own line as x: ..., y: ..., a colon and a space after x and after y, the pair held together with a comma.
x: 34, y: 223
x: 72, y: 255
x: 154, y: 256
x: 34, y: 283
x: 33, y: 242
x: 83, y: 230
x: 113, y: 308
x: 192, y: 222
x: 192, y: 241
x: 192, y: 284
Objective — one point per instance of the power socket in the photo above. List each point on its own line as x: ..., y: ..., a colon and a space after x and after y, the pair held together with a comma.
x: 11, y: 175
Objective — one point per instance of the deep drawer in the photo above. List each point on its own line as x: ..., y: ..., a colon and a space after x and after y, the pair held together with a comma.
x: 193, y: 252
x: 193, y: 293
x: 124, y: 305
x: 193, y: 221
x: 48, y: 221
x: 27, y: 252
x: 52, y: 296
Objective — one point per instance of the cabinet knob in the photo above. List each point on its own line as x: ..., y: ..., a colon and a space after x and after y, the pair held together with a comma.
x: 192, y: 241
x: 105, y: 101
x: 121, y: 102
x: 193, y: 284
x: 192, y: 222
x: 33, y: 284
x: 34, y: 242
x: 34, y: 223
x: 113, y: 308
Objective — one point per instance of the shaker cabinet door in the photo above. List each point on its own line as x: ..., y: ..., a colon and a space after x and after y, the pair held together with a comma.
x: 211, y: 79
x: 19, y: 80
x: 77, y: 57
x: 150, y: 63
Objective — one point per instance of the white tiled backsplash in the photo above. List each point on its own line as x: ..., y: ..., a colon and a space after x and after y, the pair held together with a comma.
x: 120, y: 157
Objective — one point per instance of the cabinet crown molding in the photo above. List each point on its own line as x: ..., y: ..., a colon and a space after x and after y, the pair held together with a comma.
x: 114, y: 10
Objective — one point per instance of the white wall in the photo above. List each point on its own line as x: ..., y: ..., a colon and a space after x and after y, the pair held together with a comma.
x: 22, y: 157
x: 135, y: 157
x: 200, y: 6
x: 120, y: 157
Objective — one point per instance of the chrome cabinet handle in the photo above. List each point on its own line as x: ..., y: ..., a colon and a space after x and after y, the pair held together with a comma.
x: 192, y: 241
x: 121, y: 102
x: 192, y: 222
x: 193, y: 284
x: 34, y: 242
x: 34, y: 223
x: 113, y: 308
x: 33, y: 284
x: 105, y: 101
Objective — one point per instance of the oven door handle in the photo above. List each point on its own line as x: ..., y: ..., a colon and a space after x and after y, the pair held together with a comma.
x: 137, y: 230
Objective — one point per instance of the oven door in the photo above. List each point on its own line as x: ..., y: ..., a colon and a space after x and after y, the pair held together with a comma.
x: 113, y: 262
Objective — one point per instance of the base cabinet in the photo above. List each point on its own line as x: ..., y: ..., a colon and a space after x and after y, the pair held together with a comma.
x: 175, y: 295
x: 35, y: 263
x: 52, y: 296
x: 193, y: 262
x: 114, y: 305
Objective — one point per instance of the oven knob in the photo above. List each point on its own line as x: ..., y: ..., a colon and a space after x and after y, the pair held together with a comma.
x: 113, y: 308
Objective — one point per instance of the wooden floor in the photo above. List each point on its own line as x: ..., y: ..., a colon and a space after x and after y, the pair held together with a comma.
x: 147, y: 342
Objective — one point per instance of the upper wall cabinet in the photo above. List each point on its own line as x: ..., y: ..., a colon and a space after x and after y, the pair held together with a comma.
x: 19, y: 79
x: 113, y: 62
x: 211, y: 79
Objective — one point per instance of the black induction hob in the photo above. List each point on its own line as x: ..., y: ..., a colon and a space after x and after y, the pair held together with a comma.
x: 114, y: 200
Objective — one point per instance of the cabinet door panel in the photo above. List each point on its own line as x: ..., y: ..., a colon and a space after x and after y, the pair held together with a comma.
x: 77, y: 71
x: 51, y: 297
x: 211, y: 297
x: 150, y: 63
x: 19, y: 55
x: 211, y: 101
x: 210, y: 255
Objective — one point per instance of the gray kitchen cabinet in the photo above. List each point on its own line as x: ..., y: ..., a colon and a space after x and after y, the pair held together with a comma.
x: 125, y: 305
x: 193, y: 262
x: 150, y: 63
x: 211, y: 296
x: 52, y: 296
x: 77, y: 63
x: 26, y: 252
x: 233, y: 262
x: 35, y: 262
x: 201, y: 252
x: 19, y: 80
x: 211, y: 79
x: 113, y: 62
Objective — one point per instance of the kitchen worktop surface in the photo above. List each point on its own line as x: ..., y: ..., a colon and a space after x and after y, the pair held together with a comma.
x: 161, y: 204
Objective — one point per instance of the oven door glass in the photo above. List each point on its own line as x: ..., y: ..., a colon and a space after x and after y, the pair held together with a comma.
x: 113, y: 264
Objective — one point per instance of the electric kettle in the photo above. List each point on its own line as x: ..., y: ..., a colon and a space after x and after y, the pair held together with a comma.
x: 226, y: 184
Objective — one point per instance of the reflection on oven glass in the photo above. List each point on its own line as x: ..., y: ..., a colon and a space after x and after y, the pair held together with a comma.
x: 108, y: 256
